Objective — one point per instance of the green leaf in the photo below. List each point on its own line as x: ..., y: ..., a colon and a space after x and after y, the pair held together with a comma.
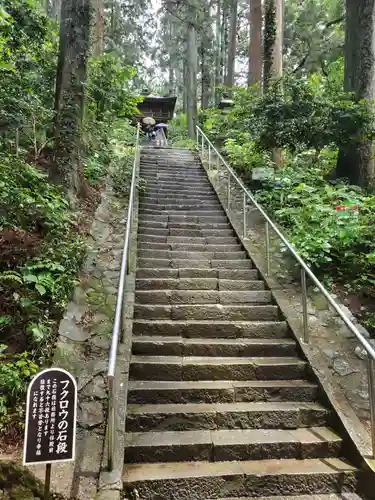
x: 40, y: 289
x: 30, y: 278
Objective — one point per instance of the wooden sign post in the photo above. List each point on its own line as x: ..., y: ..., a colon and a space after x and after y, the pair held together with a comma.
x: 51, y: 415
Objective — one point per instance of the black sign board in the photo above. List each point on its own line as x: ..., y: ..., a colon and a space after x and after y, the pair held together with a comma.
x: 51, y: 409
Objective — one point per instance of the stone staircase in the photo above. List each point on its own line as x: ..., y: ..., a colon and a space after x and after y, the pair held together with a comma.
x: 221, y: 404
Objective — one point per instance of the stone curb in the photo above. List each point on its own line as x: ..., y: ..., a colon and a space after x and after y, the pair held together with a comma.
x: 110, y: 483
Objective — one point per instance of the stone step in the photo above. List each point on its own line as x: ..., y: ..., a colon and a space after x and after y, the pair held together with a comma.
x: 193, y: 247
x: 197, y: 284
x: 158, y: 208
x: 220, y: 391
x: 202, y: 297
x: 177, y: 193
x: 235, y: 444
x: 191, y: 255
x: 202, y: 211
x: 184, y: 219
x: 173, y: 183
x: 176, y: 185
x: 170, y: 160
x: 195, y: 416
x: 185, y: 205
x: 180, y: 346
x: 206, y: 328
x: 187, y: 232
x: 161, y: 165
x: 213, y: 312
x: 171, y: 164
x: 157, y: 176
x: 190, y: 272
x: 143, y: 224
x: 155, y: 192
x: 181, y: 170
x: 214, y: 240
x: 197, y: 264
x: 180, y: 200
x: 186, y: 176
x: 216, y: 368
x: 203, y: 480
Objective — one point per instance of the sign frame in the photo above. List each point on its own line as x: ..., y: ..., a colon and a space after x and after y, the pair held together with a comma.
x: 27, y: 415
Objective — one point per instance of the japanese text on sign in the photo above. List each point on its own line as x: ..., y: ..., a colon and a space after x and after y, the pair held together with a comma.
x: 51, y: 417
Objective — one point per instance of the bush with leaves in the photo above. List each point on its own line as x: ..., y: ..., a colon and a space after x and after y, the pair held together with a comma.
x: 177, y: 133
x: 41, y: 248
x: 15, y: 374
x: 331, y: 226
x: 28, y: 52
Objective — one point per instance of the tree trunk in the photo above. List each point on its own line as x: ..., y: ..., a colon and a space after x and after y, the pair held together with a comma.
x: 191, y: 71
x: 255, y: 44
x: 98, y: 48
x: 53, y: 8
x: 115, y: 14
x: 70, y: 80
x: 205, y: 49
x: 218, y: 52
x: 232, y: 44
x: 171, y: 71
x: 273, y: 53
x: 273, y: 41
x: 224, y: 42
x: 185, y: 88
x: 356, y: 162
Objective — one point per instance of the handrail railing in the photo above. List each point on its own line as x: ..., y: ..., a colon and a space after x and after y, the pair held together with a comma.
x: 117, y: 326
x: 202, y: 139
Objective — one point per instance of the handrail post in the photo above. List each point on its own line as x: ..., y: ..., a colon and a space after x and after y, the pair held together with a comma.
x: 228, y: 191
x: 305, y: 319
x: 244, y: 216
x: 268, y: 249
x: 202, y: 145
x: 111, y: 422
x: 371, y: 395
x: 209, y: 157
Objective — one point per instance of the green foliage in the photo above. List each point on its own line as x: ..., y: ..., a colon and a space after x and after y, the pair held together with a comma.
x: 27, y: 69
x: 326, y: 235
x: 108, y: 88
x: 301, y: 113
x: 177, y: 133
x: 122, y: 139
x: 15, y: 375
x: 29, y: 201
x: 244, y: 157
x: 111, y: 106
x: 41, y: 249
x: 331, y: 226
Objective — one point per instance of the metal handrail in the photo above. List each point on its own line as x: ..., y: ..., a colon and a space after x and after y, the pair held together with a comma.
x: 305, y: 270
x: 117, y: 326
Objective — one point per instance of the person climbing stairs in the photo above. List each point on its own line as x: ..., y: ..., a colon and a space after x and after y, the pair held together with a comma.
x: 221, y: 402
